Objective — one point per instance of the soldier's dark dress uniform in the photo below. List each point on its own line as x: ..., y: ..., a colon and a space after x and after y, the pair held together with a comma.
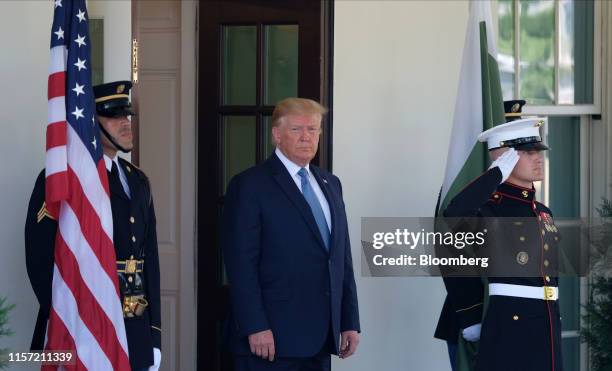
x: 135, y: 240
x: 518, y: 333
x: 454, y: 316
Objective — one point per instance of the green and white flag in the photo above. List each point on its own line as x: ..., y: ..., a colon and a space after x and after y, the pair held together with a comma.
x: 478, y: 107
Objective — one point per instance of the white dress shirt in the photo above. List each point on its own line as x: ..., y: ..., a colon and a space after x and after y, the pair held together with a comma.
x: 109, y: 164
x: 293, y: 169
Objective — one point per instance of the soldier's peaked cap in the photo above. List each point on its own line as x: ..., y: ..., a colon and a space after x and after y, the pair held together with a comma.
x: 519, y: 134
x: 113, y: 99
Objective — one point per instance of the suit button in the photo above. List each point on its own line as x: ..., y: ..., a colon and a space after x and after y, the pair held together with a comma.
x: 547, y: 278
x: 546, y: 263
x: 543, y: 232
x: 522, y: 238
x: 132, y: 220
x: 133, y: 238
x: 515, y: 317
x: 130, y: 279
x: 546, y: 246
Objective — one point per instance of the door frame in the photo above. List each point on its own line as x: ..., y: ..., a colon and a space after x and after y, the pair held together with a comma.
x: 208, y: 229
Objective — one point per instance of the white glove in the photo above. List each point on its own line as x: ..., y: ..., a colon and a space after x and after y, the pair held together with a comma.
x: 472, y: 333
x: 156, y: 360
x: 506, y: 163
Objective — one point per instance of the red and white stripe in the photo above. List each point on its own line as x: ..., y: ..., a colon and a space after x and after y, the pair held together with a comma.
x: 56, y: 162
x: 86, y: 314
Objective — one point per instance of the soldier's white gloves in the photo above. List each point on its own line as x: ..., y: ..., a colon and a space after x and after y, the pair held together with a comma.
x: 506, y: 163
x: 156, y: 360
x: 472, y: 333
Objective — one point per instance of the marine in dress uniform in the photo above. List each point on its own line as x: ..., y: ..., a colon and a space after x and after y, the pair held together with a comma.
x: 521, y: 328
x: 134, y: 238
x: 455, y: 316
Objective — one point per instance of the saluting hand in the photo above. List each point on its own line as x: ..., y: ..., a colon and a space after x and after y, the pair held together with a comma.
x: 348, y: 343
x: 262, y: 344
x: 506, y: 163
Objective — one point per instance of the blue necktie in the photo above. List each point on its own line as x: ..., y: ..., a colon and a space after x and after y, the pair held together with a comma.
x: 315, y: 206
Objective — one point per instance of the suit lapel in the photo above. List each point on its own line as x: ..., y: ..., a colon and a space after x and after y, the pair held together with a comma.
x: 286, y: 183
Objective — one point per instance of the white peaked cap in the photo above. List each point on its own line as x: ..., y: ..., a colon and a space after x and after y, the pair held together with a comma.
x: 518, y: 133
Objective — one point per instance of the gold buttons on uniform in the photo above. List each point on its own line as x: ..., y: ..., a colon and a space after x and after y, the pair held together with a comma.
x: 546, y: 263
x: 546, y: 246
x: 129, y: 169
x: 522, y: 238
x: 496, y: 196
x: 132, y: 220
x: 543, y: 232
x: 547, y: 278
x: 130, y: 279
x: 515, y: 317
x: 556, y: 238
x: 525, y: 194
x: 133, y: 238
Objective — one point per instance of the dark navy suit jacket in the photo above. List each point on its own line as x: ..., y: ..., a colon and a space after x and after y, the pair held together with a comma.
x: 281, y: 275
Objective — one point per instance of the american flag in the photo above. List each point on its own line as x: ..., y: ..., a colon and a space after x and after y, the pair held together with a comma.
x: 86, y: 314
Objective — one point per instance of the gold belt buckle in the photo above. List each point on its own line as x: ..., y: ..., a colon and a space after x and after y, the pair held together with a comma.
x: 134, y: 306
x: 549, y: 293
x: 130, y: 266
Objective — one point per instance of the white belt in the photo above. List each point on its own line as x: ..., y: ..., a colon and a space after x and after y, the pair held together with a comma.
x: 520, y: 291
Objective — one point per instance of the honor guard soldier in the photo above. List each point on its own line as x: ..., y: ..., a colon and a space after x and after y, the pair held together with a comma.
x: 462, y: 316
x: 134, y: 238
x: 521, y: 328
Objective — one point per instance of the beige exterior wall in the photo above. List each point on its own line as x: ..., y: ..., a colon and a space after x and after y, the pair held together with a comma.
x: 395, y: 82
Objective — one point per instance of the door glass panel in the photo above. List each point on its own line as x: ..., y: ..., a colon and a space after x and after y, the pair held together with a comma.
x: 239, y: 51
x: 239, y: 142
x: 537, y: 45
x: 280, y: 62
x: 268, y: 142
x: 505, y: 47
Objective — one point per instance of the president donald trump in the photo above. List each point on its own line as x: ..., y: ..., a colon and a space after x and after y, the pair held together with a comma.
x: 288, y: 255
